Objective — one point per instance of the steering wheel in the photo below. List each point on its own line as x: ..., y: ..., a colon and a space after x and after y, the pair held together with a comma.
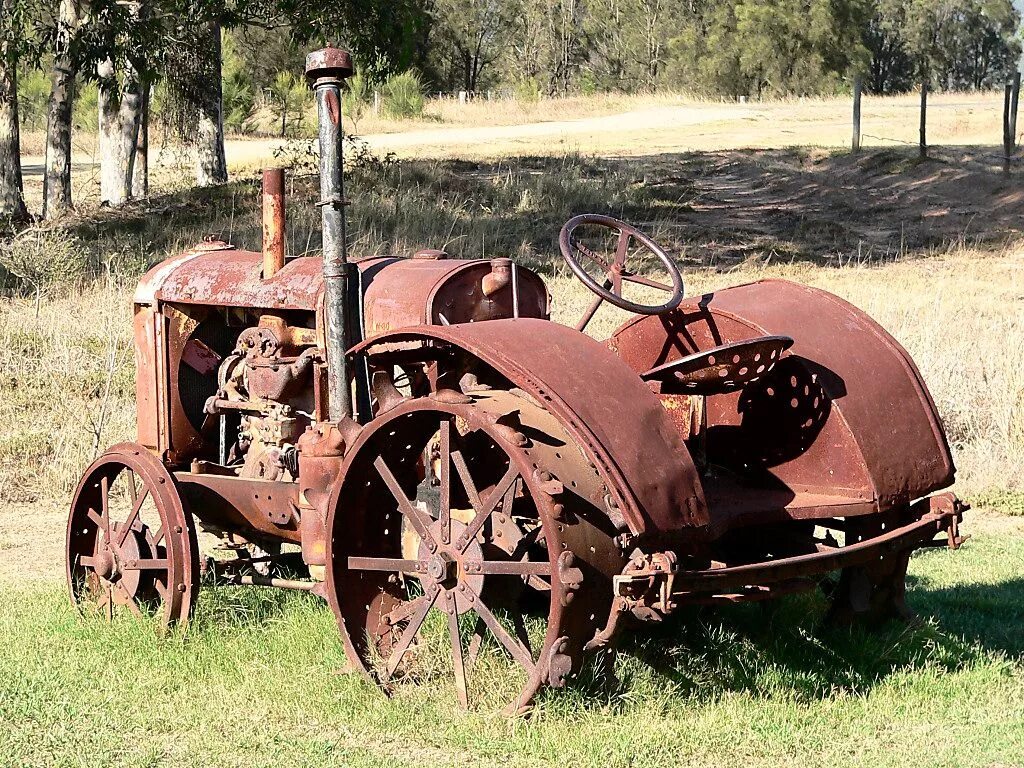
x: 616, y: 270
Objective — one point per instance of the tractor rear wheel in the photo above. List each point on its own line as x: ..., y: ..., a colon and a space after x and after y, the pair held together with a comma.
x: 131, y: 543
x: 447, y: 539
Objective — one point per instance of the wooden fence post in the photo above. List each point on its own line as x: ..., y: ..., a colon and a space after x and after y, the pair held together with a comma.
x: 856, y: 112
x: 1014, y: 102
x: 923, y: 141
x: 1007, y: 136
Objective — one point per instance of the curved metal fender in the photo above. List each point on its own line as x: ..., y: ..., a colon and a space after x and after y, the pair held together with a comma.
x: 603, y: 405
x: 882, y: 438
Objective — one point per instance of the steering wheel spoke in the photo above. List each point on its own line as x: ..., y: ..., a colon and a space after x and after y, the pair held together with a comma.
x: 641, y: 280
x: 591, y: 255
x: 617, y: 270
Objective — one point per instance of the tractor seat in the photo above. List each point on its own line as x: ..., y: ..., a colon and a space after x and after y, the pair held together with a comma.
x: 724, y: 369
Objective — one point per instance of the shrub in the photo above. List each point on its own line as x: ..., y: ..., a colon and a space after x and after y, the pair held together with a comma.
x: 357, y: 96
x: 238, y: 103
x: 33, y: 95
x: 40, y: 259
x: 528, y: 90
x: 403, y: 95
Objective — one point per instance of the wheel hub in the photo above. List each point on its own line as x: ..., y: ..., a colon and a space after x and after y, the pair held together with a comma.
x: 442, y: 569
x: 105, y: 565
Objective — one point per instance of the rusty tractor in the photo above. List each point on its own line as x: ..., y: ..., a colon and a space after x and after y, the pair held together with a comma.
x: 413, y: 436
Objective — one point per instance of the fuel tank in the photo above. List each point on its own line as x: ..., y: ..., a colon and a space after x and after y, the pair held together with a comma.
x: 397, y: 292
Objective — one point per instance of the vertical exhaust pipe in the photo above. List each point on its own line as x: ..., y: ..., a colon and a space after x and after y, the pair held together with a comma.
x: 273, y: 221
x: 326, y: 70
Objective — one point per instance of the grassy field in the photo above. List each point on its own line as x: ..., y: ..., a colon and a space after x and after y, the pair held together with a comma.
x: 930, y: 249
x: 258, y: 682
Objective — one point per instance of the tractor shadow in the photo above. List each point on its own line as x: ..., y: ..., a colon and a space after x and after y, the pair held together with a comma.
x: 783, y: 648
x: 716, y: 208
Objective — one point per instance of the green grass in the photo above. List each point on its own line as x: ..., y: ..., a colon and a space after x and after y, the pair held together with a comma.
x: 257, y: 681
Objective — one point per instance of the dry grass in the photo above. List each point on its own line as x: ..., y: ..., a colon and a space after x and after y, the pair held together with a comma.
x: 67, y: 385
x: 604, y: 124
x: 66, y: 372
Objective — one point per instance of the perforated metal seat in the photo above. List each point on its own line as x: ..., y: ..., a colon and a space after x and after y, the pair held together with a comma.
x: 723, y: 369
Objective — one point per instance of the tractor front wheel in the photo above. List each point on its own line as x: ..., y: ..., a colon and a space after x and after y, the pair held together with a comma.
x: 131, y: 543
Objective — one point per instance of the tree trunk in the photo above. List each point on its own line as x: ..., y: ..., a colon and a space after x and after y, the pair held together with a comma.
x: 12, y: 199
x: 57, y: 177
x: 119, y: 117
x: 140, y: 180
x: 211, y: 164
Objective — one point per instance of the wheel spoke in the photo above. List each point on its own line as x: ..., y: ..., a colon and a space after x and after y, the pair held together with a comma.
x: 105, y: 503
x: 615, y: 278
x: 485, y: 509
x: 478, y: 640
x: 538, y: 583
x: 467, y: 479
x: 511, y: 568
x: 458, y: 662
x: 445, y: 495
x: 97, y: 520
x: 521, y: 632
x: 133, y: 489
x: 409, y: 634
x: 154, y: 564
x: 393, y: 564
x: 127, y: 600
x: 407, y: 509
x: 122, y: 534
x: 405, y: 610
x: 648, y: 282
x: 106, y: 602
x: 517, y: 650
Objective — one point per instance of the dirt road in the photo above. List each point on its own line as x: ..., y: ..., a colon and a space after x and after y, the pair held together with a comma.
x: 954, y: 119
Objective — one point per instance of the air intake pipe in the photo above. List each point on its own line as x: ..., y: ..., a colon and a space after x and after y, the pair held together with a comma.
x: 326, y: 70
x: 273, y: 221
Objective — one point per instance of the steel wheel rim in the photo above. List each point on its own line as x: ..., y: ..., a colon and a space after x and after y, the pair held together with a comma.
x: 456, y: 589
x: 123, y: 561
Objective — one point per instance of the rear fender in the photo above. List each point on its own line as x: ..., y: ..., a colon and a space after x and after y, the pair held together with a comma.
x: 613, y: 417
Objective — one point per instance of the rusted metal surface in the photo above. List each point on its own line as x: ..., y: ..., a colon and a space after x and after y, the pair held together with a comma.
x: 502, y: 528
x: 473, y: 458
x: 326, y: 71
x: 130, y: 542
x: 723, y: 369
x: 330, y: 62
x: 397, y: 292
x: 445, y: 292
x: 615, y: 270
x: 257, y: 509
x: 610, y: 412
x: 273, y: 222
x: 846, y: 412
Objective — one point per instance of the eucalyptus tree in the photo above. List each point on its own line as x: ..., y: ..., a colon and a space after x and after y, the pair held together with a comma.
x: 12, y: 198
x: 64, y: 35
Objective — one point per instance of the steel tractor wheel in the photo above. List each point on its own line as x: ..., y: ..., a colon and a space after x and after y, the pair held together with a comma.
x: 131, y: 544
x: 464, y: 528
